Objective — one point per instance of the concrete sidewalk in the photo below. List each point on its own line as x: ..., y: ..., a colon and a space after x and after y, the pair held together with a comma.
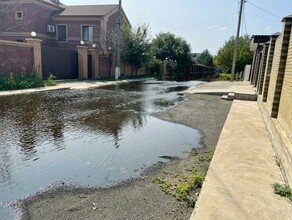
x: 240, y: 178
x: 66, y: 85
x: 223, y: 87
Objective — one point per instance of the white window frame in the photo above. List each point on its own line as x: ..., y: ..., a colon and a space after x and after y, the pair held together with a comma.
x: 57, y: 33
x: 16, y: 15
x: 82, y: 38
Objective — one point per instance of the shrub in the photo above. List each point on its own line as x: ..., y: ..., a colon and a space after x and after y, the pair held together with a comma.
x: 155, y: 67
x: 51, y: 81
x: 20, y: 81
x: 225, y: 76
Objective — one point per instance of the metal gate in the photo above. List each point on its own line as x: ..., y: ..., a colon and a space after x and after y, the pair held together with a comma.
x: 89, y: 66
x: 62, y: 63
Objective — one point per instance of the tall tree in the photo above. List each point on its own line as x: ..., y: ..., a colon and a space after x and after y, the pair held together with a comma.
x: 136, y: 46
x: 206, y: 58
x: 224, y: 56
x: 106, y: 44
x: 168, y: 46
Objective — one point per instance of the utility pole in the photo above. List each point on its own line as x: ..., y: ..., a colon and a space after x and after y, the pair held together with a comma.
x: 236, y: 41
x: 118, y: 43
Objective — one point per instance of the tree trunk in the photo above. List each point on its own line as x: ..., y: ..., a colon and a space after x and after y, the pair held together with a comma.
x: 137, y: 68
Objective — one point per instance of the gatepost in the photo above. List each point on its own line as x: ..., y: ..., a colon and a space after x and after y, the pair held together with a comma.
x: 82, y: 62
x: 37, y: 54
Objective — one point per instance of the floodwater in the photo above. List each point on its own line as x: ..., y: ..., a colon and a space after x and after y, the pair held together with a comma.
x: 92, y: 137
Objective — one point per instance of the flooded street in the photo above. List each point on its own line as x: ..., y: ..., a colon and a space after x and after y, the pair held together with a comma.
x: 89, y: 137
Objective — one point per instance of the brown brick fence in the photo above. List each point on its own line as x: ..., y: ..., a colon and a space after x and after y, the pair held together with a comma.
x: 15, y: 57
x: 273, y: 81
x: 82, y: 63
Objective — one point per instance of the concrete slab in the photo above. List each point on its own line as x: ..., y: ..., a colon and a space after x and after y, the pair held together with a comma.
x: 224, y: 87
x: 240, y: 178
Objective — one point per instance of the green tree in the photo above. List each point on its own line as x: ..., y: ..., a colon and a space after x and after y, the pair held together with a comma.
x: 167, y: 45
x: 136, y: 46
x: 206, y: 58
x: 224, y: 56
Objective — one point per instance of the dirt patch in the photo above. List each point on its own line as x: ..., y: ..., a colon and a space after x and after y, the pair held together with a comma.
x: 141, y: 198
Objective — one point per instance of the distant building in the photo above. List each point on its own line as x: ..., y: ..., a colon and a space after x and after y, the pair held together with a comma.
x: 195, y: 55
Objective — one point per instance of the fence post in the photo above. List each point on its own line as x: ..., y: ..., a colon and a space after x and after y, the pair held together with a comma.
x: 37, y: 54
x: 95, y: 63
x: 82, y: 62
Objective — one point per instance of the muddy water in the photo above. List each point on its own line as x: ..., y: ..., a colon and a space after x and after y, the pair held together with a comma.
x: 91, y: 137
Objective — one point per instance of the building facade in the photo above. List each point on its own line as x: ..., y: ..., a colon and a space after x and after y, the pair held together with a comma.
x: 58, y: 25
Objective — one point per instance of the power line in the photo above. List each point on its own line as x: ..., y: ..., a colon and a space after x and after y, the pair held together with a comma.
x: 215, y: 18
x: 264, y: 10
x: 244, y: 20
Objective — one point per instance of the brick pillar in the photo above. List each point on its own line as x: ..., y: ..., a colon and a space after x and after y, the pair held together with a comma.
x: 268, y: 69
x: 256, y: 68
x: 82, y: 62
x: 262, y: 69
x: 278, y: 73
x: 95, y: 63
x: 165, y: 67
x: 37, y: 54
x: 252, y: 66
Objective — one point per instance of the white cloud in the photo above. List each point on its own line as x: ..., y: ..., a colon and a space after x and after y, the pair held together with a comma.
x: 269, y: 28
x: 213, y: 26
x: 216, y: 27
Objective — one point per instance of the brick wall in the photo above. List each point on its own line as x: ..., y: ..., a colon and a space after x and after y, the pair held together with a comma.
x: 274, y: 72
x: 36, y: 17
x: 277, y: 76
x: 104, y: 67
x: 111, y: 24
x: 74, y: 28
x: 278, y: 89
x: 15, y: 57
x: 268, y: 68
x: 285, y: 107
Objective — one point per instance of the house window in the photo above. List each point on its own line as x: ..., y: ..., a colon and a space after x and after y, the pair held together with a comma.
x: 87, y: 33
x: 18, y: 15
x: 61, y: 32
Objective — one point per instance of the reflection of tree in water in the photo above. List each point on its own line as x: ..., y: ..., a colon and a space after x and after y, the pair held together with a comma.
x: 28, y: 120
x: 109, y: 111
x: 114, y: 123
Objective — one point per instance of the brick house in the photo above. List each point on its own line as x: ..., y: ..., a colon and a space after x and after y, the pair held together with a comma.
x: 56, y: 24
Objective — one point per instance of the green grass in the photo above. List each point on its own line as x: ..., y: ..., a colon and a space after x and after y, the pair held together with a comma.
x: 183, y: 188
x: 283, y: 190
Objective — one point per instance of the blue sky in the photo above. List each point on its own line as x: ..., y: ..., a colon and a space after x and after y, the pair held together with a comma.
x: 205, y: 24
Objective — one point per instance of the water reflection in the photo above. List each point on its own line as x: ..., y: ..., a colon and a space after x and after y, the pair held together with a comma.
x: 91, y: 136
